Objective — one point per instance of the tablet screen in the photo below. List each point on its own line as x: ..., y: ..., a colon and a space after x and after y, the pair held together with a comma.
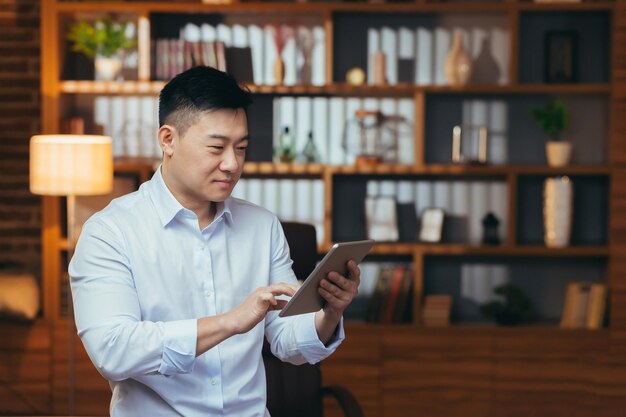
x: 307, y: 299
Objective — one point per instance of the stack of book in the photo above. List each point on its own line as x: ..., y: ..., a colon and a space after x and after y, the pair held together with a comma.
x: 391, y: 299
x: 436, y: 311
x: 585, y: 306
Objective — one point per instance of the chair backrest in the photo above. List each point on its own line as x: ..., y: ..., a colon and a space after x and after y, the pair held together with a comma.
x: 302, y: 242
x: 295, y: 390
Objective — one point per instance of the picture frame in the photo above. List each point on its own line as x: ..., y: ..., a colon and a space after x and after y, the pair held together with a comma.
x: 381, y: 219
x: 431, y: 225
x: 561, y: 56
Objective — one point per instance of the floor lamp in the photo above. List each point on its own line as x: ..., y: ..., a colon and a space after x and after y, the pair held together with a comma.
x: 70, y: 166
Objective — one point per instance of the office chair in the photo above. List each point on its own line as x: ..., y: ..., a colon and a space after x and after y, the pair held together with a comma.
x: 297, y: 391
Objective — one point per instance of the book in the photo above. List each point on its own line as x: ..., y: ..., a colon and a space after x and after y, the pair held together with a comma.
x: 373, y: 46
x: 290, y: 58
x: 395, y: 286
x: 319, y: 195
x: 584, y: 306
x: 224, y: 34
x: 303, y: 123
x: 402, y: 312
x: 436, y: 310
x: 255, y: 36
x: 389, y: 45
x: 406, y: 55
x: 596, y: 307
x: 220, y: 55
x: 378, y: 299
x: 239, y: 63
x: 269, y: 55
x: 318, y: 57
x: 239, y: 36
x: 442, y: 43
x: 424, y: 56
x: 336, y: 121
x: 320, y: 127
x: 304, y: 201
x: 286, y: 209
x: 406, y: 131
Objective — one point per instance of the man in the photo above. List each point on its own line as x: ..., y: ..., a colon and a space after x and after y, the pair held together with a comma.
x: 176, y: 285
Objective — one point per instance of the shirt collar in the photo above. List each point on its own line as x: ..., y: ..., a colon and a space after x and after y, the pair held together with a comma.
x: 167, y: 207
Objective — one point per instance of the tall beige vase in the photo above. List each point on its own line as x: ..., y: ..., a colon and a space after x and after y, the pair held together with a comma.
x: 458, y: 65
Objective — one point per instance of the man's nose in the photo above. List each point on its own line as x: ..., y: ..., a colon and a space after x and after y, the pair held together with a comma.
x: 229, y: 161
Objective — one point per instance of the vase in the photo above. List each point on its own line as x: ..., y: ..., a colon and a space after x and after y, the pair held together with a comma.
x: 458, y: 65
x: 107, y: 68
x: 279, y: 71
x: 557, y: 211
x: 380, y: 68
x: 558, y: 153
x: 485, y: 68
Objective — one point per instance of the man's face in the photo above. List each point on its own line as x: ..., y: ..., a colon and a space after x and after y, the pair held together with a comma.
x: 205, y: 164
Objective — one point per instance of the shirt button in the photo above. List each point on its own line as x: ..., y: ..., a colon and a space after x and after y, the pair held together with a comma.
x: 202, y: 247
x: 213, y: 381
x: 208, y: 294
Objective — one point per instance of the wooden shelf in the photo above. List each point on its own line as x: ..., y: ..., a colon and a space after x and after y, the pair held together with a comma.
x: 533, y: 329
x: 393, y: 248
x: 154, y: 87
x: 271, y: 168
x: 295, y: 7
x: 136, y: 164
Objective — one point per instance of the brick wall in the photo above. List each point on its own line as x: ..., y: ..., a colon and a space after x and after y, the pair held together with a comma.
x: 20, y: 212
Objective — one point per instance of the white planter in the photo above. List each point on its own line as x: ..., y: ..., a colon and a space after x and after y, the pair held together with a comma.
x: 557, y: 211
x: 558, y: 153
x: 107, y: 68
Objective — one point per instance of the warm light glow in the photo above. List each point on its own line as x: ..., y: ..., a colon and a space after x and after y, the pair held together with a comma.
x: 65, y: 165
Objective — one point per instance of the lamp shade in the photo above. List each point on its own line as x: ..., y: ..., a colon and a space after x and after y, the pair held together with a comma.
x: 65, y: 165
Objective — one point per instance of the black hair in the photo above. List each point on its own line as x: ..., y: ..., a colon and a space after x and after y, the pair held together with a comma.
x: 197, y: 90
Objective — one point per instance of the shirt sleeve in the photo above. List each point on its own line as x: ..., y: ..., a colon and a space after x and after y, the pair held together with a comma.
x: 294, y: 339
x: 108, y: 315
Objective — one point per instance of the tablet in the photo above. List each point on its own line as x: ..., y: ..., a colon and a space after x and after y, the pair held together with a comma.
x: 307, y: 299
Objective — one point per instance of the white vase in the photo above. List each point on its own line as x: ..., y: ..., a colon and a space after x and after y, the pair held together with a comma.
x: 558, y: 153
x: 557, y: 211
x: 107, y: 68
x: 458, y: 65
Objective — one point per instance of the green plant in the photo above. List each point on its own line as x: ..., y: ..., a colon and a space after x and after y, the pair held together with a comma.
x: 552, y: 117
x: 105, y: 37
x: 514, y: 307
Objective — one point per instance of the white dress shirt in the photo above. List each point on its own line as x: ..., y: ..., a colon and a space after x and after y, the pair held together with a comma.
x: 143, y: 273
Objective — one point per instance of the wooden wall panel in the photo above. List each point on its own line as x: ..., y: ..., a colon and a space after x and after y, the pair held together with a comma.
x: 25, y: 368
x: 355, y: 365
x: 92, y: 392
x: 431, y: 374
x: 546, y: 373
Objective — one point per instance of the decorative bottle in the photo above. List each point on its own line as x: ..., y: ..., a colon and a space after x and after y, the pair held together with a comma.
x: 286, y: 146
x: 458, y: 65
x: 309, y: 152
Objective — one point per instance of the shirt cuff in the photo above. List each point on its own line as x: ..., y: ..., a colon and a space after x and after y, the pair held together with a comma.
x: 309, y: 342
x: 179, y: 347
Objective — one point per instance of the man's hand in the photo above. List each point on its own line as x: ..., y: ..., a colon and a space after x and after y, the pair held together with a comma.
x: 338, y: 291
x: 241, y: 319
x: 254, y: 308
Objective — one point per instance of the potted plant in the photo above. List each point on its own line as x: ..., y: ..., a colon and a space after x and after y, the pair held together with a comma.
x: 103, y: 41
x: 513, y: 308
x: 553, y: 118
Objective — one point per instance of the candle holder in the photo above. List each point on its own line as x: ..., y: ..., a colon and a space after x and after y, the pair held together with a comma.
x: 469, y: 144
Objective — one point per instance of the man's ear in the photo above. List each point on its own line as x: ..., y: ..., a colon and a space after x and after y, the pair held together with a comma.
x: 167, y: 135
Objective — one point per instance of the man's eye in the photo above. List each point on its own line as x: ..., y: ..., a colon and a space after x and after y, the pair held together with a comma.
x: 216, y: 147
x: 242, y: 148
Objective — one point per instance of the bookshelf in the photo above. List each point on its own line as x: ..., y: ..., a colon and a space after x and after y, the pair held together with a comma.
x: 488, y: 374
